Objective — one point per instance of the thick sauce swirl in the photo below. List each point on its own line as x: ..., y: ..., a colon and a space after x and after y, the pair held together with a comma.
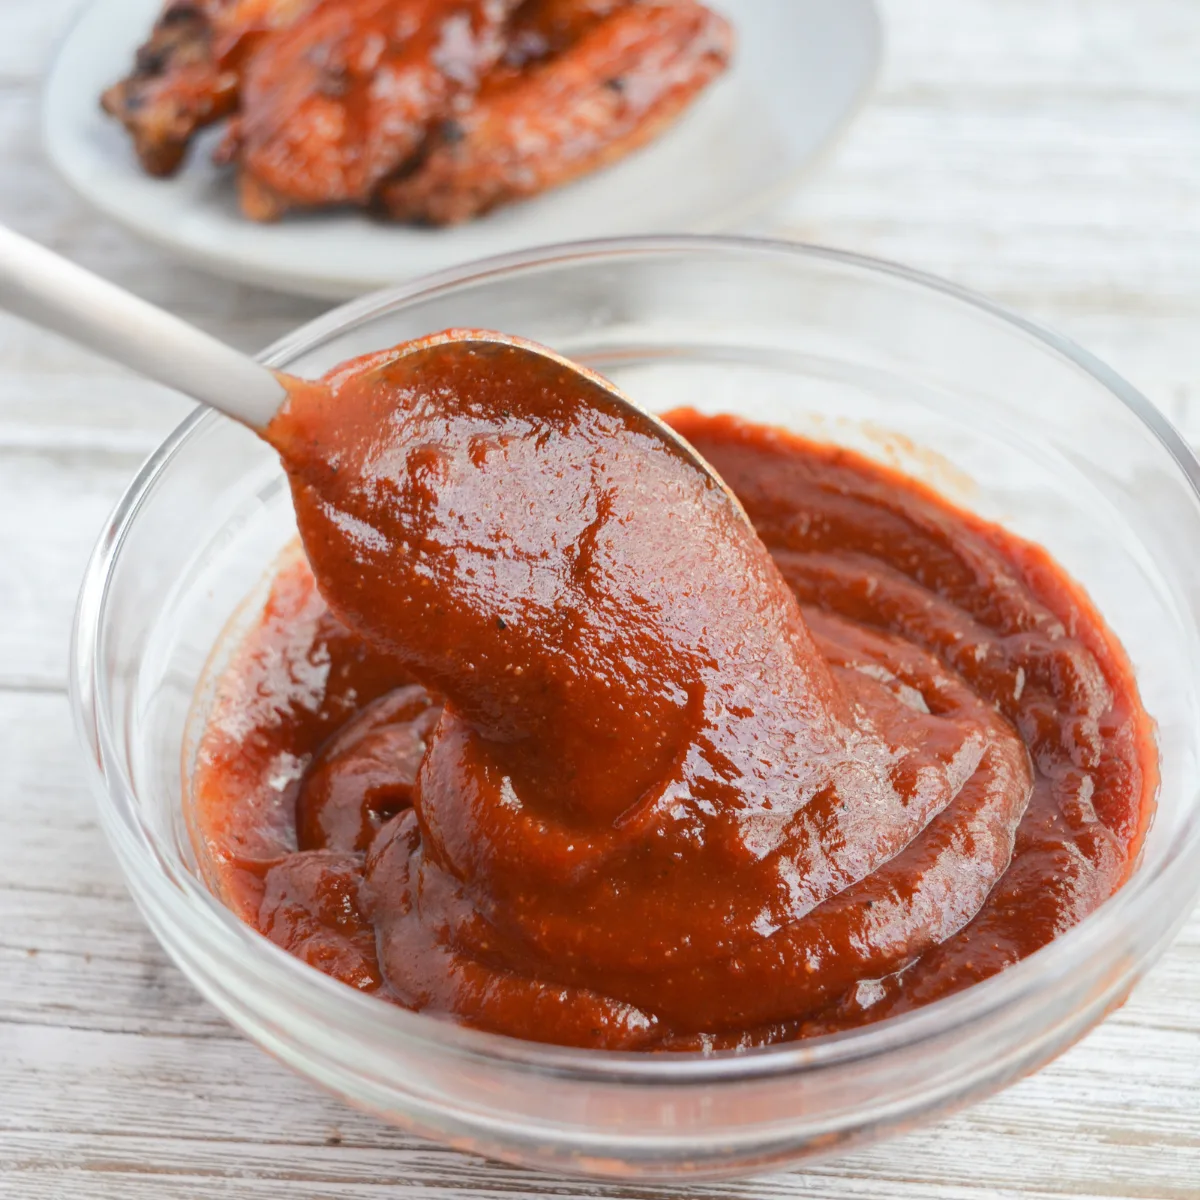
x: 583, y: 757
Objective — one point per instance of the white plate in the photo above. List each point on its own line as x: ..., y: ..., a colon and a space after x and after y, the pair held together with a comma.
x: 800, y: 70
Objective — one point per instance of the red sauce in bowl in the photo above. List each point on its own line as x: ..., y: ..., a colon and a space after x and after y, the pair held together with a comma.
x: 568, y: 750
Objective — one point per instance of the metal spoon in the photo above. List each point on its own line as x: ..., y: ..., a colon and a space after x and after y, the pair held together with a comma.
x: 48, y: 290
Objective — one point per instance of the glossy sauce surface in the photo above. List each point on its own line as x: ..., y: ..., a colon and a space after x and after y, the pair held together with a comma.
x: 584, y: 757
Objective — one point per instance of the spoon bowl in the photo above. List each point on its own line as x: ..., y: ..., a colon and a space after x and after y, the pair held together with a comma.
x: 463, y: 344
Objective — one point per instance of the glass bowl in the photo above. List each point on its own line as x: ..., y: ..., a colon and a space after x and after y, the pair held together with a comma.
x: 1011, y: 421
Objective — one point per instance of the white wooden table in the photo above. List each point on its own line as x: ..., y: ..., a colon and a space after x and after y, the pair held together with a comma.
x: 1046, y: 153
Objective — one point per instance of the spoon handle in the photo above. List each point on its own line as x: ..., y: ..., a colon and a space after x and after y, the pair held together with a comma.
x: 43, y: 287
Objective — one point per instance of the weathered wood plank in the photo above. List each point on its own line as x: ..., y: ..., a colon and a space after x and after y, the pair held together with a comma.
x: 53, y: 504
x: 144, y: 1102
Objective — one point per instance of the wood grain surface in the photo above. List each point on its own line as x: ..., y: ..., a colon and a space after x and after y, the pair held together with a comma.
x: 1045, y: 153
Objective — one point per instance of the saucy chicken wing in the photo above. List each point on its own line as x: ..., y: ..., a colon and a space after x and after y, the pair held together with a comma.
x: 340, y: 101
x: 620, y: 82
x: 424, y: 110
x: 186, y: 75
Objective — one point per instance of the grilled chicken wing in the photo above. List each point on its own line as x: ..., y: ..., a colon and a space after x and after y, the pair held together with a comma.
x: 186, y: 74
x: 340, y: 101
x: 428, y: 110
x: 622, y: 80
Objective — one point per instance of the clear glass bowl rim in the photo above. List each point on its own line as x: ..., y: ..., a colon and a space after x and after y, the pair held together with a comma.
x: 168, y: 884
